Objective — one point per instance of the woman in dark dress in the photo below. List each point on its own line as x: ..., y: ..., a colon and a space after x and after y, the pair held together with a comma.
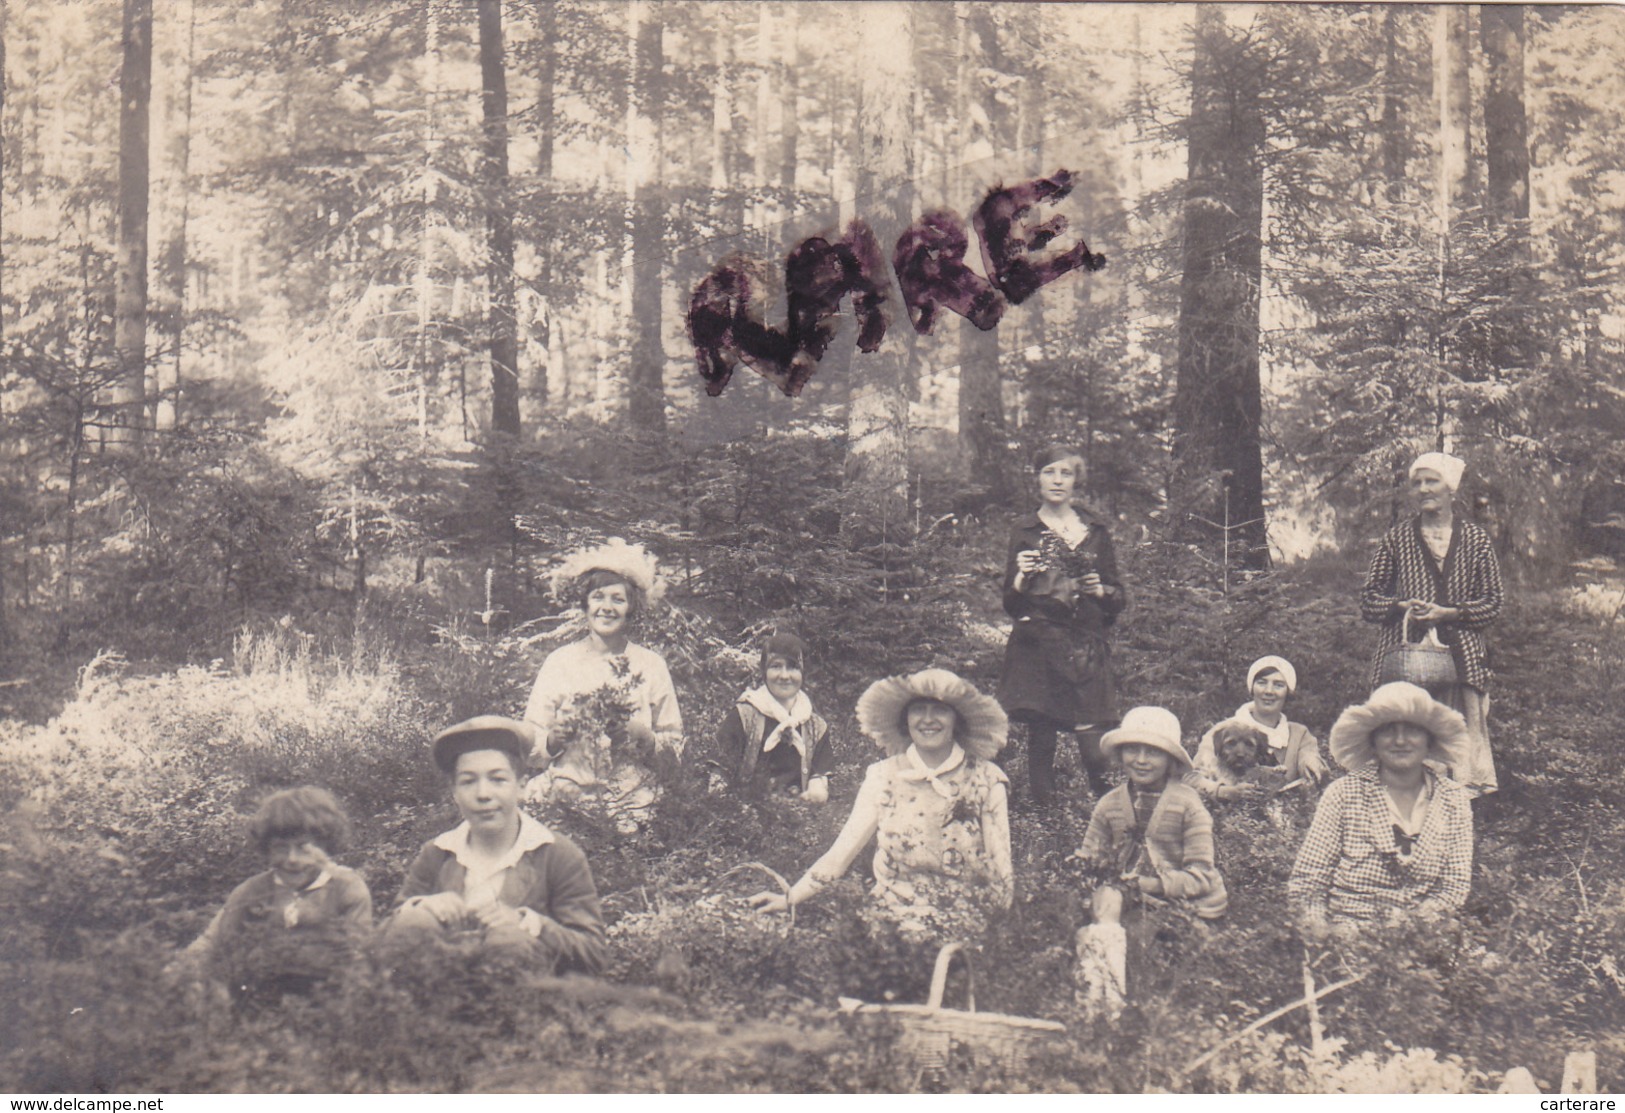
x: 1062, y: 589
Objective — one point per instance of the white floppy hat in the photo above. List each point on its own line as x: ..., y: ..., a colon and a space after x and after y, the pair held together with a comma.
x: 983, y: 725
x: 1399, y: 702
x: 1150, y: 726
x: 634, y: 563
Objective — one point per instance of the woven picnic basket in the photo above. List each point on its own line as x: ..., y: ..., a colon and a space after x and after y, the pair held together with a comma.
x: 1428, y: 663
x: 930, y: 1031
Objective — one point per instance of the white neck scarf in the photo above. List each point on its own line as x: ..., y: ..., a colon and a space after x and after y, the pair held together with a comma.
x: 1277, y: 734
x: 933, y: 777
x: 799, y: 712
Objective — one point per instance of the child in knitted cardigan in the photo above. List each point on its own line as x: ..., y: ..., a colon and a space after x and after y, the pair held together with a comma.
x: 1152, y: 834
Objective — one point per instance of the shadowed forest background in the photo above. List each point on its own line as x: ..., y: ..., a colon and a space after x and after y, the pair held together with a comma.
x: 327, y: 326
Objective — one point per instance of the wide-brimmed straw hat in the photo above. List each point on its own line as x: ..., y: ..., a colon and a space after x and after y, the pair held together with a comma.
x: 634, y: 563
x: 1398, y: 702
x: 983, y: 726
x: 484, y: 732
x: 1156, y: 727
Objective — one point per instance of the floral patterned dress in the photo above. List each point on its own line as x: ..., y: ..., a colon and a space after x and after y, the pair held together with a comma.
x: 942, y: 857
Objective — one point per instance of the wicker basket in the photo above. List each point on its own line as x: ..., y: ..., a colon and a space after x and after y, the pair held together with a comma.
x: 1428, y: 663
x: 930, y: 1031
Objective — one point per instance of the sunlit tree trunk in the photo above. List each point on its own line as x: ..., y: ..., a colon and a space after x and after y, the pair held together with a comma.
x: 171, y: 314
x: 505, y: 417
x: 1218, y: 457
x: 1453, y: 93
x: 1506, y: 128
x: 982, y: 432
x: 646, y: 401
x: 130, y: 283
x: 426, y: 350
x: 877, y: 419
x: 789, y: 94
x: 546, y: 132
x: 1394, y: 138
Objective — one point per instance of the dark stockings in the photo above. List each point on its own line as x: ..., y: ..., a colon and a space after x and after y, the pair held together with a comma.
x: 1041, y: 761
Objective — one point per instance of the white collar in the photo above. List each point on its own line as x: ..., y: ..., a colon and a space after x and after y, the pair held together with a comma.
x: 321, y: 879
x: 456, y: 842
x: 919, y: 771
x: 787, y: 719
x: 1277, y: 734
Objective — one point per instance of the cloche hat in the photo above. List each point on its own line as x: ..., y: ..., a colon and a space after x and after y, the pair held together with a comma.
x: 1280, y: 665
x: 1399, y: 702
x: 983, y: 726
x: 1151, y: 726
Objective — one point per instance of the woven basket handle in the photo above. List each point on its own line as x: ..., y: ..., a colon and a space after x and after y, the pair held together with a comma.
x: 1430, y: 638
x: 939, y: 976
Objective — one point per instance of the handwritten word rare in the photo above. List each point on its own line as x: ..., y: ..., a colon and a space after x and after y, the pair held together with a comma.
x: 727, y: 310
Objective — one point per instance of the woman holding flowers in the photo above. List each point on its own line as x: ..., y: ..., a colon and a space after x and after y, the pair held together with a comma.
x: 603, y: 706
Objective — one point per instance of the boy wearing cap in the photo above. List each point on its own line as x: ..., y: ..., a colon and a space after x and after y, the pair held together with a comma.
x: 1152, y: 834
x: 500, y: 874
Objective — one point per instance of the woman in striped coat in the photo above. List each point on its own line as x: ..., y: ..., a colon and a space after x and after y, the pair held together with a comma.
x: 1441, y: 571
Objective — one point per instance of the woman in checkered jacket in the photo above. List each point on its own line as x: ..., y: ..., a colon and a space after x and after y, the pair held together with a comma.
x: 1441, y: 571
x: 1394, y: 838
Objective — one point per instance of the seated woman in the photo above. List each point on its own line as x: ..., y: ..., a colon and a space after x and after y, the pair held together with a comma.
x: 1291, y: 747
x: 604, y: 708
x: 289, y: 928
x: 1394, y: 838
x: 500, y: 878
x: 937, y: 805
x: 773, y: 739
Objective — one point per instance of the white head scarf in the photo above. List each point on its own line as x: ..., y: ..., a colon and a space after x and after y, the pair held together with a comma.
x: 1280, y: 665
x: 1450, y: 468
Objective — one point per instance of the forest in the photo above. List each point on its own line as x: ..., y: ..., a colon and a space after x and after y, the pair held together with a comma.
x: 328, y: 327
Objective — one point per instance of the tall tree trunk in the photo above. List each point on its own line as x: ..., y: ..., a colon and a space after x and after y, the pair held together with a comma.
x: 1452, y: 87
x: 426, y: 354
x: 1506, y: 128
x: 646, y: 379
x: 547, y: 57
x: 4, y: 27
x: 499, y: 224
x: 789, y: 91
x: 1453, y: 92
x: 1394, y: 139
x: 1218, y: 456
x: 762, y: 146
x: 877, y: 416
x: 1506, y: 151
x: 982, y: 432
x: 1032, y: 93
x: 171, y: 317
x: 130, y: 289
x: 724, y: 184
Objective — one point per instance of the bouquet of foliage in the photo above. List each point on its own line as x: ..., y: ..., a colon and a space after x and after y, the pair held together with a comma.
x: 604, y: 713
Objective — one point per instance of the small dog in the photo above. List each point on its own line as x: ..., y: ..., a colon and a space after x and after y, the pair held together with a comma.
x: 1242, y: 751
x: 1245, y: 759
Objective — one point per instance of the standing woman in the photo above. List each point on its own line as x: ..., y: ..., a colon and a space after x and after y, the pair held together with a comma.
x: 1061, y: 587
x: 1441, y: 571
